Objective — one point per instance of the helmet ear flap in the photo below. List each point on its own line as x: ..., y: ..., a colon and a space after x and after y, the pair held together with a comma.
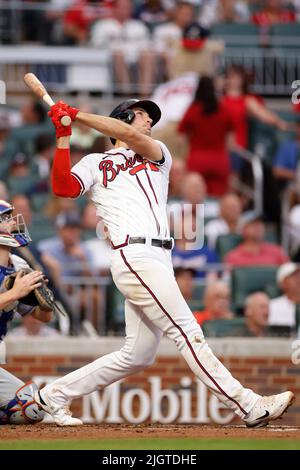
x: 126, y: 116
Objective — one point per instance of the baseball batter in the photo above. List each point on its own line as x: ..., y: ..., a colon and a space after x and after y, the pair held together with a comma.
x: 129, y: 187
x: 16, y: 398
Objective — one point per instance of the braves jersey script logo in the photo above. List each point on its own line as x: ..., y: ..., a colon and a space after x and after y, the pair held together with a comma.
x: 111, y: 170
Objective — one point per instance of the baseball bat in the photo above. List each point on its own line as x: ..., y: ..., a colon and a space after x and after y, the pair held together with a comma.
x: 38, y: 89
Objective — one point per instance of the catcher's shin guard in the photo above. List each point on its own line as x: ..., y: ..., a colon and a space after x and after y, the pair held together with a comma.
x: 22, y: 409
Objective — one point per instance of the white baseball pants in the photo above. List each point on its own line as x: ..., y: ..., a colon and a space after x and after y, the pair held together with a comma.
x: 154, y: 306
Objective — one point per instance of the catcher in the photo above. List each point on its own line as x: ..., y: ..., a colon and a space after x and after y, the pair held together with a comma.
x: 24, y: 291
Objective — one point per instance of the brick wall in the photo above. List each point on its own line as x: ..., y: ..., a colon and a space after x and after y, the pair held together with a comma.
x: 266, y: 374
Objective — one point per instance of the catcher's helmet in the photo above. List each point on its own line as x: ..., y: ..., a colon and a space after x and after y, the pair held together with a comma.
x: 124, y: 112
x: 20, y: 235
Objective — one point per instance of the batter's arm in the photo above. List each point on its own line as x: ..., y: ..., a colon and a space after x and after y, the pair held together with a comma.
x: 111, y: 127
x: 64, y: 184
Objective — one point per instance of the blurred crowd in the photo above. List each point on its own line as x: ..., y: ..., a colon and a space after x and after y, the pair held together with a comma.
x: 237, y: 267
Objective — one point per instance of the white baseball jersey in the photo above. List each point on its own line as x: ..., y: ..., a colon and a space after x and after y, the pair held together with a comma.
x: 129, y: 191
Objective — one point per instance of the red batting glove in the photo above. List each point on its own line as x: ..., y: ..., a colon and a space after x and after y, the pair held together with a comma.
x: 56, y: 114
x: 72, y: 112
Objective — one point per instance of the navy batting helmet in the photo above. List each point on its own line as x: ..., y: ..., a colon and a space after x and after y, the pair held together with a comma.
x: 124, y: 112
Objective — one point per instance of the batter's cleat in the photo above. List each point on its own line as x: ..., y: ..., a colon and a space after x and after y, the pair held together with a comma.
x: 268, y: 409
x: 62, y: 415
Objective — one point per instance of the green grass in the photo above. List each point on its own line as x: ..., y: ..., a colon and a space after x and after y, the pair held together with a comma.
x: 151, y: 444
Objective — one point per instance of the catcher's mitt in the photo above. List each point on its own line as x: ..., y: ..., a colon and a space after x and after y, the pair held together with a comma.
x: 41, y: 296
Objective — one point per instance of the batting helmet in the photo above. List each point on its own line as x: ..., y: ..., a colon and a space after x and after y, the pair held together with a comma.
x: 124, y: 112
x: 20, y: 235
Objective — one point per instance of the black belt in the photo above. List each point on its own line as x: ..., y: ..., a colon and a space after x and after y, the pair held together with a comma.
x: 167, y: 243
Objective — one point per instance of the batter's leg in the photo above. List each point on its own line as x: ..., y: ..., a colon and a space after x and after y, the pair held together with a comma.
x: 142, y: 340
x: 153, y: 288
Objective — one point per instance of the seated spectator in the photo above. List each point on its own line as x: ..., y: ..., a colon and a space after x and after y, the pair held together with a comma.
x: 44, y: 150
x: 257, y: 307
x: 176, y: 177
x: 196, y: 52
x: 273, y: 12
x: 224, y: 11
x: 79, y: 17
x: 216, y: 303
x: 229, y: 220
x: 208, y: 150
x: 67, y: 248
x: 287, y: 158
x: 185, y: 280
x: 166, y: 37
x: 283, y: 308
x: 129, y: 42
x: 34, y: 122
x: 254, y: 250
x: 194, y: 200
x: 32, y: 327
x: 56, y: 205
x: 152, y: 13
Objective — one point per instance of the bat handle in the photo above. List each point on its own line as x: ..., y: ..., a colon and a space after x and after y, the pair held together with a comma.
x: 65, y: 120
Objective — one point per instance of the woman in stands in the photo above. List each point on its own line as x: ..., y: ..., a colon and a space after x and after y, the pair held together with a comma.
x: 207, y: 124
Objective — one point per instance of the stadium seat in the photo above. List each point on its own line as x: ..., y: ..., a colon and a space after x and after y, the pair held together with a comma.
x: 246, y: 280
x: 285, y: 35
x: 221, y: 328
x: 237, y: 34
x: 226, y: 243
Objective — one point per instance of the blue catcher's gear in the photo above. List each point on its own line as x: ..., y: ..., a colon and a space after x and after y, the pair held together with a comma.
x: 19, y: 236
x: 22, y: 409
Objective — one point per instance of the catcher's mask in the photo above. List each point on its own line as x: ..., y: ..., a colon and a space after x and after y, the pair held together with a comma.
x: 19, y: 236
x: 124, y: 112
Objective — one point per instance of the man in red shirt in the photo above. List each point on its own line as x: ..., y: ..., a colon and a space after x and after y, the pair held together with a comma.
x: 254, y: 250
x: 273, y: 12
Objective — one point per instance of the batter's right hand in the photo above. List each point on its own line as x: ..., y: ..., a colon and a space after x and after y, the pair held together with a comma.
x: 61, y: 105
x: 56, y: 113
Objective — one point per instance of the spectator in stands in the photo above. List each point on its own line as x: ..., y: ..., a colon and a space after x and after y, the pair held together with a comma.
x: 80, y: 16
x: 129, y: 42
x: 151, y: 12
x: 196, y: 52
x: 176, y: 177
x: 286, y: 160
x: 85, y: 137
x: 56, y: 205
x: 257, y: 307
x: 67, y: 248
x: 207, y: 124
x: 185, y: 280
x: 189, y: 250
x: 34, y: 123
x: 167, y: 36
x: 216, y: 302
x: 229, y: 220
x: 283, y: 308
x: 31, y: 327
x: 242, y: 104
x: 193, y: 201
x: 21, y: 205
x: 273, y: 12
x: 20, y: 177
x: 254, y: 250
x: 44, y: 150
x: 224, y: 11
